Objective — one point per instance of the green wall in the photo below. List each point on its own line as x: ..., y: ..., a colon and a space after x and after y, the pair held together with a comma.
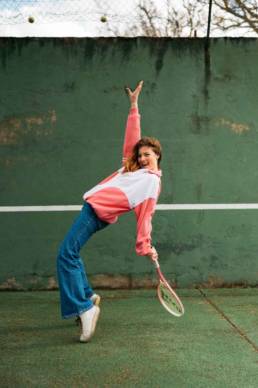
x: 62, y: 117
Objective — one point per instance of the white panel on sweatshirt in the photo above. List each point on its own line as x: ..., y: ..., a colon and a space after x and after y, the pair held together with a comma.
x: 137, y: 186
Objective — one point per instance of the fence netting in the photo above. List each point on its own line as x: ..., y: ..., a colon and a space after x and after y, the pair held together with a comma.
x: 129, y: 18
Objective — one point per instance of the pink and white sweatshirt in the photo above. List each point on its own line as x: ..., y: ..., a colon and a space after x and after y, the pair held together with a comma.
x: 124, y: 191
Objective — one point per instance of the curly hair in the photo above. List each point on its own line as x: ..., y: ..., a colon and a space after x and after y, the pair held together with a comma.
x: 132, y: 164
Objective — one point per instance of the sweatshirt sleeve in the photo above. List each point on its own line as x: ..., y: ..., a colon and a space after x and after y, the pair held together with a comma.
x: 144, y: 213
x: 132, y: 132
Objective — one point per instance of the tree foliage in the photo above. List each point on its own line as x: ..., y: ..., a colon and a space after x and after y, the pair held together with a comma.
x: 241, y: 14
x: 189, y: 18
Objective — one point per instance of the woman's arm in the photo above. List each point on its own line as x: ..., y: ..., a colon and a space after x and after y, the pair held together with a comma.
x: 144, y: 213
x: 133, y: 126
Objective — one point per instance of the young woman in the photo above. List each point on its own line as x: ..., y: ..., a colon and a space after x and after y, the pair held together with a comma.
x: 136, y: 186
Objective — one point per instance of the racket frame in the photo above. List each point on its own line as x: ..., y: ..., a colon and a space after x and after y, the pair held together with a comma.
x: 162, y: 280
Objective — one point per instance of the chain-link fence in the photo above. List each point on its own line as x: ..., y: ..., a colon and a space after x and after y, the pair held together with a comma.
x: 49, y: 11
x: 129, y: 18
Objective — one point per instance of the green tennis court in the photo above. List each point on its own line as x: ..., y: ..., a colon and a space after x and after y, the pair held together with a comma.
x: 63, y: 112
x: 137, y: 343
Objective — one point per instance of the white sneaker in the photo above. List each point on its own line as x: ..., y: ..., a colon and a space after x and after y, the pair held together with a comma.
x: 89, y: 320
x: 95, y: 298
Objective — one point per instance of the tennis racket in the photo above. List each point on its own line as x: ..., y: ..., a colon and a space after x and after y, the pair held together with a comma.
x: 167, y: 296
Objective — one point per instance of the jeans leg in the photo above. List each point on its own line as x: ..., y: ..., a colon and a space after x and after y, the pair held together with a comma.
x: 86, y: 285
x: 72, y: 278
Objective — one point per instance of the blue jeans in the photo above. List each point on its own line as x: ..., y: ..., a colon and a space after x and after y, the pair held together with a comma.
x: 75, y: 290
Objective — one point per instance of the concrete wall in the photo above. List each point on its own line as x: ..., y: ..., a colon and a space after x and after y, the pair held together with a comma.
x: 62, y: 117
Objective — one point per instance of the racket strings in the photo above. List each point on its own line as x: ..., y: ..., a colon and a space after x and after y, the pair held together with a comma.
x: 169, y: 299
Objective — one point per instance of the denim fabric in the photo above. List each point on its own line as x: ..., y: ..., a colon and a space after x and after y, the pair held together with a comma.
x: 74, y: 287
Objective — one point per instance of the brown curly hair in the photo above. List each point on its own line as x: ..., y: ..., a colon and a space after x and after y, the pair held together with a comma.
x: 132, y: 164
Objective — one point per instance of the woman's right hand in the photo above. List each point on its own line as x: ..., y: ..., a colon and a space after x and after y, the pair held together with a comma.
x: 133, y: 95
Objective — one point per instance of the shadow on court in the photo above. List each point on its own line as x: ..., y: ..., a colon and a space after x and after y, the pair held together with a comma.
x: 137, y: 343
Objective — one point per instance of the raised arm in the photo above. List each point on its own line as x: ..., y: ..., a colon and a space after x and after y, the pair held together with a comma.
x: 133, y: 127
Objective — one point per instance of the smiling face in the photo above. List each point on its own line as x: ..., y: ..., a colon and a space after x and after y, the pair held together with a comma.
x: 146, y: 153
x: 147, y: 158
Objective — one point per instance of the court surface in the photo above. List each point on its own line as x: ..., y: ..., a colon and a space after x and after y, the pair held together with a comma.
x: 137, y: 343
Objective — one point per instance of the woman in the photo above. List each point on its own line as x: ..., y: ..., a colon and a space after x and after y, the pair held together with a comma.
x: 135, y: 186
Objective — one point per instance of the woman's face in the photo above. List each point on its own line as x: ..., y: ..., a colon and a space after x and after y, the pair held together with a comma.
x: 147, y: 158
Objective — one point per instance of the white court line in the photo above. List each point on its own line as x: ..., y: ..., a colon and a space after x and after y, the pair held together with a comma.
x: 208, y: 206
x: 195, y: 206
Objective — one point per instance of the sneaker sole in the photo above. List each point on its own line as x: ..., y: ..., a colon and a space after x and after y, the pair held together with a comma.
x: 94, y: 324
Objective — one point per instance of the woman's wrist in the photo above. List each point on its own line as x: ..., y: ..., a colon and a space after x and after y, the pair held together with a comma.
x: 134, y: 104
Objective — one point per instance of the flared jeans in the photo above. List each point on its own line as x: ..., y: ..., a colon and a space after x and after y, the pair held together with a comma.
x: 75, y: 290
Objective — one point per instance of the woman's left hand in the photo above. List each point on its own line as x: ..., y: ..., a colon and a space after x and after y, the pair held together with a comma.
x: 133, y: 95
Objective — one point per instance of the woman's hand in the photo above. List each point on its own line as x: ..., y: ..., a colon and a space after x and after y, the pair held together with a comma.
x: 133, y: 95
x: 153, y: 255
